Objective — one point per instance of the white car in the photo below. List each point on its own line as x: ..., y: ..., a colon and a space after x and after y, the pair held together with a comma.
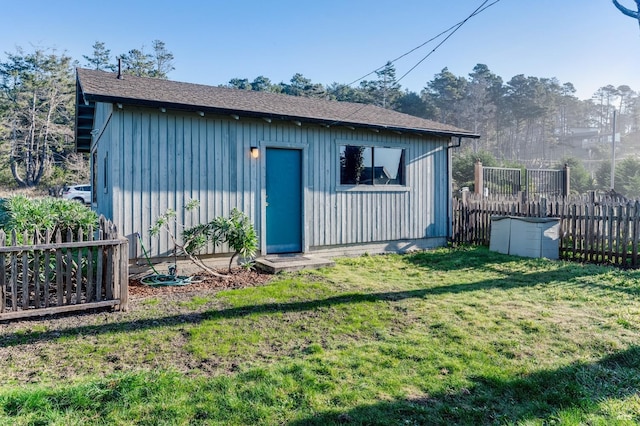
x: 81, y: 193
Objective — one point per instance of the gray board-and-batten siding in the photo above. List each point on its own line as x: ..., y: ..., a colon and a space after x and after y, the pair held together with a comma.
x: 153, y: 161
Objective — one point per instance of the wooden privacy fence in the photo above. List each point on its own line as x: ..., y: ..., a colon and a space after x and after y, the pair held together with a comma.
x: 43, y: 274
x: 592, y: 229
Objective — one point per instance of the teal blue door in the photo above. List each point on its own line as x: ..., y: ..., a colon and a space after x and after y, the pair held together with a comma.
x: 284, y: 200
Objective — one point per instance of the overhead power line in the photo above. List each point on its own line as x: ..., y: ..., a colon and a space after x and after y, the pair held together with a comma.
x: 480, y: 9
x: 452, y: 29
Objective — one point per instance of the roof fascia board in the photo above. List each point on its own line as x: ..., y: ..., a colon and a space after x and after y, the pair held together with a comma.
x: 256, y: 114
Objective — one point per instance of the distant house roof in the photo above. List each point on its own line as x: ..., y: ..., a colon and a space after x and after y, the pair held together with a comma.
x: 99, y: 86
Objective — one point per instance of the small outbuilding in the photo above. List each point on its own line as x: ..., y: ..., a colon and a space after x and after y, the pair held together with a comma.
x: 314, y: 175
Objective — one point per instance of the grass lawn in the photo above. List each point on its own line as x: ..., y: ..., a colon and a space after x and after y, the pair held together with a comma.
x: 442, y: 337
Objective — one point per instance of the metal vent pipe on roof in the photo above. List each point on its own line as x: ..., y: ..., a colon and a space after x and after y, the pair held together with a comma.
x: 119, y: 68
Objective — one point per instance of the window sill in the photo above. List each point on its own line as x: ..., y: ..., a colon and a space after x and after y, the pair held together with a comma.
x: 372, y: 188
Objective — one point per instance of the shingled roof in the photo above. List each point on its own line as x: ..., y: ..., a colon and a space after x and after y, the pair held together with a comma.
x: 99, y: 86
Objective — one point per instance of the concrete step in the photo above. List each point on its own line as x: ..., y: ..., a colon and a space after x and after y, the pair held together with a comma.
x: 291, y: 262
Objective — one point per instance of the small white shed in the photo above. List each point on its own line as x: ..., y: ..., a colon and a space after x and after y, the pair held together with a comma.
x: 526, y: 236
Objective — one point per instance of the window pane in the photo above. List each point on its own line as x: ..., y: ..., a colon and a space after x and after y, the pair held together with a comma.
x: 388, y: 166
x: 355, y: 165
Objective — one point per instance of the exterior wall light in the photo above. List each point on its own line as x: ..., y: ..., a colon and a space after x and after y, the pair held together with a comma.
x: 255, y: 152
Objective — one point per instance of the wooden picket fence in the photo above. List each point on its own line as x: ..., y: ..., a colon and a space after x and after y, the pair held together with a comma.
x: 45, y: 273
x: 592, y: 229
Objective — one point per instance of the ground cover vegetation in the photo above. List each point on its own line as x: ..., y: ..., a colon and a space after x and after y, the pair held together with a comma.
x: 450, y: 336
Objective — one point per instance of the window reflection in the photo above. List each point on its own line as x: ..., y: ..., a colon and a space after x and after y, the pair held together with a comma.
x: 360, y: 165
x: 387, y: 166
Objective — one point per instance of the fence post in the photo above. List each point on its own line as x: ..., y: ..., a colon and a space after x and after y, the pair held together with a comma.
x: 465, y: 194
x: 567, y: 178
x: 124, y: 276
x: 478, y: 178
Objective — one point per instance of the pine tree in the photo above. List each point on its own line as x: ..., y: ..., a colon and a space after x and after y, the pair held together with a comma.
x: 446, y: 93
x: 141, y: 64
x: 385, y: 90
x: 101, y: 58
x: 137, y: 62
x: 163, y: 60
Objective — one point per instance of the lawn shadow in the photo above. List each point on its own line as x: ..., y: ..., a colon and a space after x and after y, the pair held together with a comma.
x: 515, y: 279
x: 571, y: 391
x: 22, y: 338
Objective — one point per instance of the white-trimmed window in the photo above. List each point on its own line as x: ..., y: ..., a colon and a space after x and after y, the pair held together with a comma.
x: 371, y: 165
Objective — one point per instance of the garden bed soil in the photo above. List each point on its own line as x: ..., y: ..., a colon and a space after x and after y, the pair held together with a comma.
x: 167, y: 299
x: 200, y: 283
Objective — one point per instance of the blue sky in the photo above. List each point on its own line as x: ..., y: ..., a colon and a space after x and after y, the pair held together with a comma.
x: 586, y: 42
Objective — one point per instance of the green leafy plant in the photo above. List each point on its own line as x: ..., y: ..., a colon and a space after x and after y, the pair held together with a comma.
x: 20, y: 213
x: 236, y: 230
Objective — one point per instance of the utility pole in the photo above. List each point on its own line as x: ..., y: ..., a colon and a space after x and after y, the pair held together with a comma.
x: 613, y: 149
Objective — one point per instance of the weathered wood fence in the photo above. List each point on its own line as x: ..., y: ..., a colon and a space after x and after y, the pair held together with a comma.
x: 592, y: 229
x: 43, y: 274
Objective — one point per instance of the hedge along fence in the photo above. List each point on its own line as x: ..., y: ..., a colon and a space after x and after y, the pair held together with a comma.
x: 50, y: 274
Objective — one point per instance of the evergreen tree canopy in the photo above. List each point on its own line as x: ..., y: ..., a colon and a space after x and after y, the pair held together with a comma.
x: 100, y: 59
x: 141, y: 64
x: 36, y: 105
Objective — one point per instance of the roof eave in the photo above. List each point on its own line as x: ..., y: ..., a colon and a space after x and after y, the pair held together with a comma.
x: 258, y: 114
x: 83, y: 119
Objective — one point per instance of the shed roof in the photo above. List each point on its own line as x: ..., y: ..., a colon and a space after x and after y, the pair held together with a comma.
x: 99, y: 86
